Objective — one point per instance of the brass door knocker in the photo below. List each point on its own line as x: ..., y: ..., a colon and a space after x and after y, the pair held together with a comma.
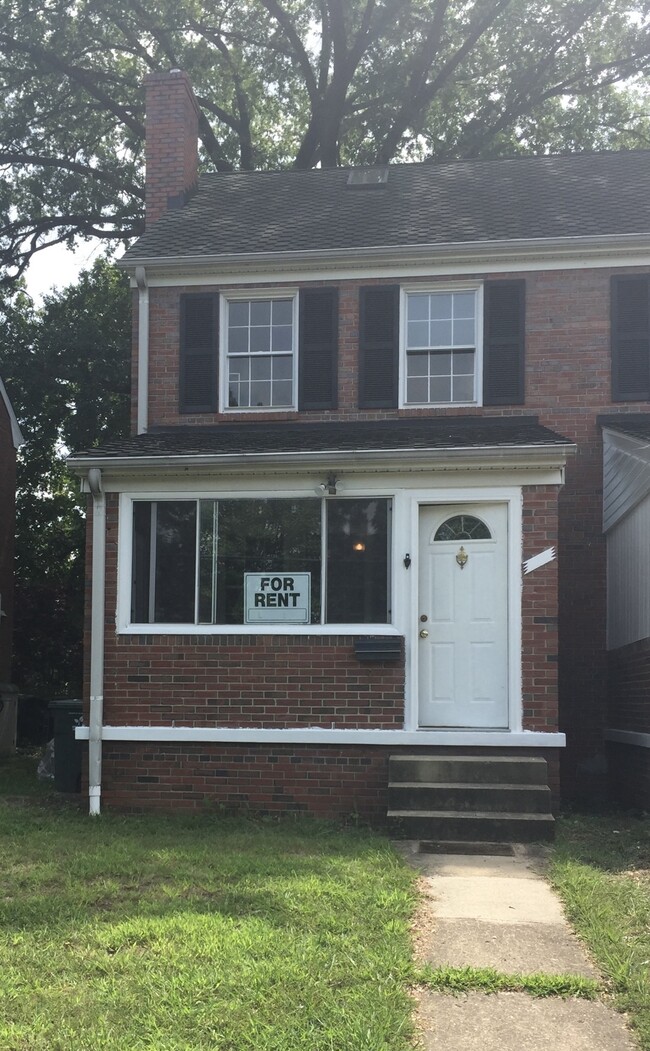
x: 462, y: 557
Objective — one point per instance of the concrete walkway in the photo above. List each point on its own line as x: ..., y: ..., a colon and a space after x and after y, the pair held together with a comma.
x: 500, y: 912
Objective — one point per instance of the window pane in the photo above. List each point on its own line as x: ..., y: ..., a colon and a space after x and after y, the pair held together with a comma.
x: 175, y: 562
x: 464, y: 305
x: 238, y: 340
x: 464, y: 333
x: 463, y: 388
x: 357, y: 562
x: 417, y: 364
x: 441, y: 305
x: 440, y: 364
x: 207, y: 559
x: 260, y: 393
x: 238, y: 313
x: 418, y: 334
x: 440, y: 334
x: 282, y: 367
x: 260, y: 340
x: 418, y: 308
x: 260, y: 368
x: 417, y: 390
x: 140, y: 575
x: 283, y: 312
x: 440, y: 389
x: 282, y: 336
x: 265, y: 536
x: 282, y: 393
x: 260, y: 312
x: 464, y: 364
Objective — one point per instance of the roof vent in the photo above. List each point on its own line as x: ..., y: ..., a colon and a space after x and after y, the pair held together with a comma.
x: 368, y: 178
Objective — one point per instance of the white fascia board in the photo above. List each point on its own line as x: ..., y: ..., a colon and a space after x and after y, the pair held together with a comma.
x: 553, y: 456
x: 16, y: 435
x: 493, y: 256
x: 316, y: 736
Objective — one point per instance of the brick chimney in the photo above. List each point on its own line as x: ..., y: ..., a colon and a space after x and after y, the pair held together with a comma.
x: 172, y: 142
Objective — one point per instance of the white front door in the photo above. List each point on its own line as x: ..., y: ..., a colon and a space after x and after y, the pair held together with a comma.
x: 463, y: 616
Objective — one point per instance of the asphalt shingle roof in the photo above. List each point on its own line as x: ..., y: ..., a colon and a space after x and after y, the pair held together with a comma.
x: 422, y: 204
x: 422, y: 432
x: 636, y: 424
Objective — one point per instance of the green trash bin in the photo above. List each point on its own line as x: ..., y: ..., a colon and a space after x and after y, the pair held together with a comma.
x: 67, y: 750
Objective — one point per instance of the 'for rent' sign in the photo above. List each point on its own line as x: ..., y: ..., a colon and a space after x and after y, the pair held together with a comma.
x: 277, y: 598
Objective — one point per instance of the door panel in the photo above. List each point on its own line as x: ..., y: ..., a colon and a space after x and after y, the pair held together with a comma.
x: 463, y: 618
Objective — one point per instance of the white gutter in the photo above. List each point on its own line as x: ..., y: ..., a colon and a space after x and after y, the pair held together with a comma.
x: 545, y: 455
x: 96, y: 642
x: 143, y: 349
x: 451, y: 252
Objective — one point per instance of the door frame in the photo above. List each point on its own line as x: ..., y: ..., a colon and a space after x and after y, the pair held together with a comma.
x: 512, y: 498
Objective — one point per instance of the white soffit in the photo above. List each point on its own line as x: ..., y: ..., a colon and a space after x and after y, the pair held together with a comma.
x: 626, y: 474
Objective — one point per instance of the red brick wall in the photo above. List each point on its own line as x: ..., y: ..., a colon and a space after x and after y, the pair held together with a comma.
x: 171, y: 142
x: 327, y: 781
x: 7, y: 530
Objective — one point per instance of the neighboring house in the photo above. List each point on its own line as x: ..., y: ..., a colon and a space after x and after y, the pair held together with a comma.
x: 626, y: 521
x: 365, y: 425
x: 10, y: 442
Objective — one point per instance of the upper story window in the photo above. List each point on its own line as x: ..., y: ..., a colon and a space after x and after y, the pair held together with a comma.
x: 441, y: 347
x: 260, y: 352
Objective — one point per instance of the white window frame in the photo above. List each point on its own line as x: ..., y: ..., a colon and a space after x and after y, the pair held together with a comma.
x: 125, y: 626
x: 240, y: 295
x: 428, y: 289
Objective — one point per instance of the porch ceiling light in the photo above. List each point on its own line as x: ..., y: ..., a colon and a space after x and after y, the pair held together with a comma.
x: 327, y: 488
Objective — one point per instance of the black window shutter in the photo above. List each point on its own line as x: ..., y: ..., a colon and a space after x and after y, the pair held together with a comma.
x: 318, y: 349
x: 630, y: 337
x: 199, y: 347
x: 504, y: 341
x: 378, y: 346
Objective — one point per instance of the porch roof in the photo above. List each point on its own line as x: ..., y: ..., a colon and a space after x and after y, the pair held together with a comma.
x: 264, y: 441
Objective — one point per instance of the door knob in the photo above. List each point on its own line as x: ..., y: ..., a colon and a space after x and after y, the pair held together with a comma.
x: 424, y: 634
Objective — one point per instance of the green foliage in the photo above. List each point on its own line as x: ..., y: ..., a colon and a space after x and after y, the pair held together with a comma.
x: 601, y: 869
x: 487, y: 980
x: 298, y: 82
x: 173, y: 933
x: 66, y: 368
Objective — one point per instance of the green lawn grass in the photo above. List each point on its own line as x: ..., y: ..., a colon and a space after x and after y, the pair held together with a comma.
x: 169, y: 933
x: 601, y: 868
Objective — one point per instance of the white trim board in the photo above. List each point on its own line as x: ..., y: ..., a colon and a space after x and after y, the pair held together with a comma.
x: 629, y: 737
x: 316, y: 736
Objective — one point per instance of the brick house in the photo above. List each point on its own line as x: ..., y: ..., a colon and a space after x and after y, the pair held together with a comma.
x: 359, y: 516
x: 10, y: 442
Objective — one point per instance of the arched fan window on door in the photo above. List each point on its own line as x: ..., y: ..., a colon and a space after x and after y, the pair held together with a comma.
x: 463, y: 527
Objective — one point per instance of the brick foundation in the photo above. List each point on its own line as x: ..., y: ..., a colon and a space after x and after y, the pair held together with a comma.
x: 330, y: 782
x: 629, y: 709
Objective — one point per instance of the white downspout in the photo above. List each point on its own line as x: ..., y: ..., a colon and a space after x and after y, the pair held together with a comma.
x: 96, y: 641
x: 143, y: 349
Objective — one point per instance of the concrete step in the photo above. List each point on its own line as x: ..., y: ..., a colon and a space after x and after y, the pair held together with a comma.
x: 465, y: 847
x: 517, y: 798
x: 492, y: 826
x: 482, y: 769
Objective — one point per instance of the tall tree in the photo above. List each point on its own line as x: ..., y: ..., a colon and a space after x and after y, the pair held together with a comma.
x: 297, y: 82
x: 66, y: 366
